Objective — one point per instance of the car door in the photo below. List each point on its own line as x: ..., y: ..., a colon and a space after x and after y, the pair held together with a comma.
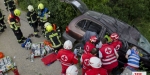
x: 78, y: 4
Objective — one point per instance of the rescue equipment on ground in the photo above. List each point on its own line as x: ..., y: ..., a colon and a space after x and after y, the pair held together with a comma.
x: 6, y: 64
x: 49, y: 59
x: 38, y: 49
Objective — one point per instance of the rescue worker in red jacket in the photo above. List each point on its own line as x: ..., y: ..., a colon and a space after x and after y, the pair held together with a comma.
x: 89, y: 45
x: 115, y: 41
x: 96, y: 63
x: 109, y: 56
x: 14, y: 22
x: 85, y: 60
x: 66, y: 56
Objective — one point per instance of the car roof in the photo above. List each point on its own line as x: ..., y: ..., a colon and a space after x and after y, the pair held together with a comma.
x: 125, y: 31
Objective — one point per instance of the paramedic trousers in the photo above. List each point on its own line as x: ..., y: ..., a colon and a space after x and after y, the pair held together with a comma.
x: 64, y: 67
x: 18, y: 34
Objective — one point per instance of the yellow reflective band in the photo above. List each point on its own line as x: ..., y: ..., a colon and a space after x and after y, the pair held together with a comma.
x: 53, y: 35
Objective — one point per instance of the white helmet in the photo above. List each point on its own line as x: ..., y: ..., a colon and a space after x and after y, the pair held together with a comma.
x: 46, y: 24
x: 30, y: 8
x: 95, y: 62
x: 68, y: 44
x: 72, y: 70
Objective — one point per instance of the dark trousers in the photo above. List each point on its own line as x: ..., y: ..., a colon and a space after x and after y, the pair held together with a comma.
x: 18, y: 34
x: 35, y: 26
x: 2, y: 21
x: 42, y: 25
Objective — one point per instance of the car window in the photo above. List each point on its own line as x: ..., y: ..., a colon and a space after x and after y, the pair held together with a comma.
x: 143, y: 43
x: 89, y: 25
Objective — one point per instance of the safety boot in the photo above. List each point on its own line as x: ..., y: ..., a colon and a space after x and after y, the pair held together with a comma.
x: 38, y: 36
x: 4, y: 26
x: 20, y: 41
x: 24, y: 38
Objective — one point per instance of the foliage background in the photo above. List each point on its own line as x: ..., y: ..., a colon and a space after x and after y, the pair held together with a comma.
x: 133, y: 12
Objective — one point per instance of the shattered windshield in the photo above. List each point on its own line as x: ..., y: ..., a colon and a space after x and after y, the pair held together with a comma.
x: 143, y: 43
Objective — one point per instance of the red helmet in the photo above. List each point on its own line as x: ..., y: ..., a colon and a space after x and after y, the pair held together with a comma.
x: 93, y: 38
x: 114, y: 36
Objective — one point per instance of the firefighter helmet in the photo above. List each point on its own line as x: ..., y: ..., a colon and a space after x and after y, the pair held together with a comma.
x: 72, y: 70
x: 46, y: 24
x: 68, y: 45
x: 17, y: 12
x: 93, y: 39
x: 40, y: 6
x: 49, y: 28
x: 30, y: 8
x: 95, y: 62
x: 114, y: 36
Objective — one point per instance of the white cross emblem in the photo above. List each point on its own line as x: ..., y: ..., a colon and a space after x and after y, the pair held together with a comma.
x: 64, y: 58
x: 108, y: 50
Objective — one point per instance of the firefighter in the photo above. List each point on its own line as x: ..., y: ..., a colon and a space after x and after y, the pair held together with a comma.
x: 14, y: 21
x: 115, y: 41
x: 96, y: 63
x: 10, y: 5
x: 2, y: 24
x: 66, y: 56
x: 85, y: 60
x: 72, y: 70
x: 53, y: 37
x: 109, y: 56
x: 32, y: 18
x: 44, y: 15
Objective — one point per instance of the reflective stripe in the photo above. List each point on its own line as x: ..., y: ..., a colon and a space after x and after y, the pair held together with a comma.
x: 66, y: 64
x: 53, y: 44
x: 109, y: 62
x: 106, y: 60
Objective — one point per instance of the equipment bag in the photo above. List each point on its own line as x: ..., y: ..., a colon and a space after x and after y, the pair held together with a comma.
x: 6, y: 64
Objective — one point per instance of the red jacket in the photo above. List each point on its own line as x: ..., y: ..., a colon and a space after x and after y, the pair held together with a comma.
x: 85, y: 60
x: 109, y: 59
x: 117, y: 44
x: 67, y: 57
x: 88, y: 47
x: 96, y: 71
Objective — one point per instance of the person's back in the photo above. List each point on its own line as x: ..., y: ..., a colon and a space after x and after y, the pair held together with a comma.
x: 54, y: 38
x: 66, y: 57
x: 116, y: 43
x: 85, y: 62
x: 96, y: 63
x: 133, y: 58
x: 89, y: 45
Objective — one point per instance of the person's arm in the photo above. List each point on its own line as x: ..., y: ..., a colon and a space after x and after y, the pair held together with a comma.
x: 127, y: 54
x: 81, y: 60
x: 48, y: 13
x: 117, y: 55
x: 29, y: 18
x: 100, y: 54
